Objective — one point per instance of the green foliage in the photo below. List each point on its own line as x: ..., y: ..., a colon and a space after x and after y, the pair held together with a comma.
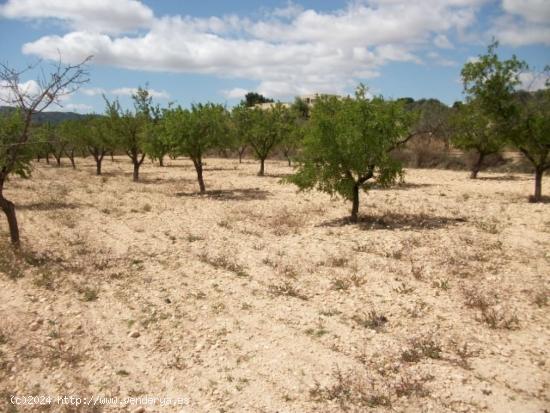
x: 301, y: 108
x: 472, y: 129
x: 125, y: 128
x: 531, y: 133
x: 263, y: 129
x: 194, y: 132
x: 11, y: 147
x: 72, y: 133
x: 48, y: 134
x: 293, y: 128
x: 492, y: 82
x: 349, y: 141
x: 252, y: 98
x: 95, y: 134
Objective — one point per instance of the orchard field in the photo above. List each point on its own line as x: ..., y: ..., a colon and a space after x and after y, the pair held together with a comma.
x: 253, y: 297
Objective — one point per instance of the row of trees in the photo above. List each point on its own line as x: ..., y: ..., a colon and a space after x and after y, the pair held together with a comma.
x: 148, y: 131
x: 342, y: 145
x: 496, y: 115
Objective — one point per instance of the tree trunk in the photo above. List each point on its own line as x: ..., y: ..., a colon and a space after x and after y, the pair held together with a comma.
x: 538, y: 185
x: 477, y: 166
x: 136, y: 170
x: 355, y: 205
x: 289, y: 161
x: 9, y: 209
x: 57, y: 160
x: 71, y: 157
x: 112, y: 156
x: 98, y: 166
x: 262, y: 167
x: 161, y: 161
x: 198, y: 168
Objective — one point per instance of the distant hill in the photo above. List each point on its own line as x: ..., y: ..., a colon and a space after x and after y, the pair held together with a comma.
x: 52, y: 117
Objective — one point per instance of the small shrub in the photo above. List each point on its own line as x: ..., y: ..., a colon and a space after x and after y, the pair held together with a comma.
x: 340, y: 284
x: 371, y: 320
x: 89, y: 294
x: 352, y: 390
x: 498, y: 318
x: 45, y: 279
x: 407, y: 386
x: 419, y: 348
x: 541, y: 299
x: 338, y: 261
x: 287, y: 289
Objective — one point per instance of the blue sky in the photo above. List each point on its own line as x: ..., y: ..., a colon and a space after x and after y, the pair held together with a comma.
x: 196, y: 51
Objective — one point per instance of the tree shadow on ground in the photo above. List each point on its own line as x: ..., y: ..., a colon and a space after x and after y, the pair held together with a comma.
x: 402, y: 187
x: 503, y: 178
x: 237, y: 194
x: 544, y: 200
x: 397, y: 221
x: 216, y: 169
x: 164, y: 181
x: 280, y: 175
x: 47, y: 206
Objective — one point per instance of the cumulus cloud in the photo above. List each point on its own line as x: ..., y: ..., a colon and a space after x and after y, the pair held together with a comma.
x: 524, y: 22
x: 123, y: 91
x: 235, y: 93
x: 93, y: 91
x: 30, y: 89
x: 533, y: 81
x: 518, y: 32
x: 92, y: 15
x: 129, y: 91
x: 442, y: 42
x: 288, y: 50
x: 537, y: 11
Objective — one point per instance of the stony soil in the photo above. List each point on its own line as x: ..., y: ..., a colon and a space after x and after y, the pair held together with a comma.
x: 257, y: 298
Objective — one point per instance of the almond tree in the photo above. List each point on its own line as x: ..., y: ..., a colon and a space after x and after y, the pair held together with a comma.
x: 472, y: 130
x: 196, y: 131
x: 349, y: 143
x: 96, y: 139
x: 263, y: 129
x: 126, y: 128
x: 15, y: 152
x: 489, y: 85
x: 531, y: 133
x: 71, y: 134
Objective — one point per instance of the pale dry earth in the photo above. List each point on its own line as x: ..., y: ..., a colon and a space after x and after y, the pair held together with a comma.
x: 257, y: 298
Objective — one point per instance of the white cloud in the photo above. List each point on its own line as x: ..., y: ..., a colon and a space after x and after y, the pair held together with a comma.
x: 533, y: 81
x: 122, y: 91
x: 440, y: 60
x: 235, y: 93
x: 30, y: 89
x: 518, y: 32
x: 129, y: 91
x: 287, y: 51
x: 537, y: 11
x: 524, y: 22
x: 91, y: 15
x: 93, y: 91
x: 442, y: 42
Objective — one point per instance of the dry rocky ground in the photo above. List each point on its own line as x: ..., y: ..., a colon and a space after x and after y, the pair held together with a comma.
x: 256, y: 298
